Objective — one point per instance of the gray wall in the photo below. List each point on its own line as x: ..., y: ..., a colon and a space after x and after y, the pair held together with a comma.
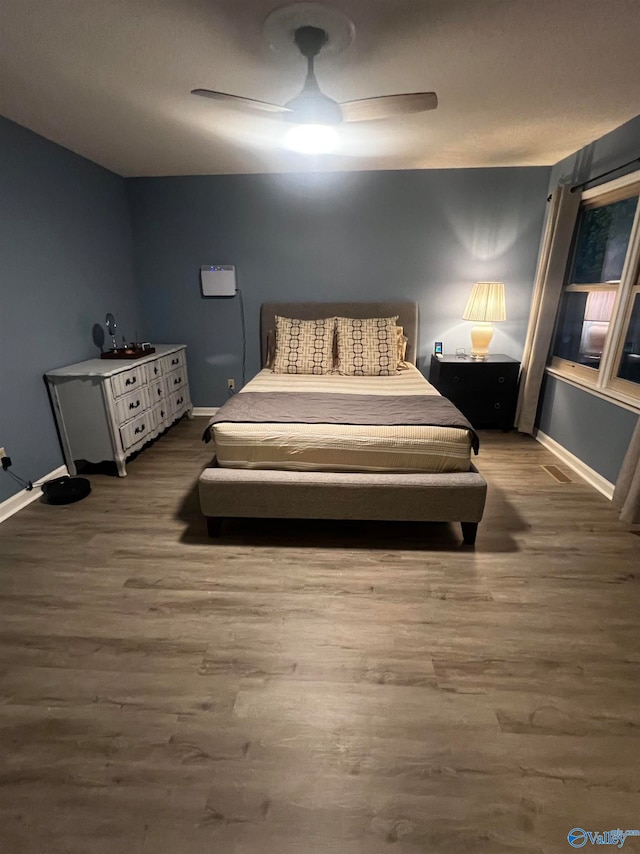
x: 418, y: 235
x: 595, y: 430
x: 589, y: 427
x: 65, y: 260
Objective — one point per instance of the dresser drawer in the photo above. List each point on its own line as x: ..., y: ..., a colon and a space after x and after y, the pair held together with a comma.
x: 173, y: 361
x: 132, y: 404
x: 133, y: 431
x: 176, y: 380
x: 178, y: 402
x: 130, y: 380
x: 157, y: 391
x: 161, y: 416
x: 154, y: 369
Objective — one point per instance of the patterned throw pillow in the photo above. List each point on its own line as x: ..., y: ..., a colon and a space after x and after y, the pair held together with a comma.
x: 367, y: 347
x: 304, y: 346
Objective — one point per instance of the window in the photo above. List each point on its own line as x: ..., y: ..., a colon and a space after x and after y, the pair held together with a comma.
x: 597, y: 335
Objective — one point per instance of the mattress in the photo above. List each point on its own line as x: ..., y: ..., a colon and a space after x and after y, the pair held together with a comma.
x: 342, y: 447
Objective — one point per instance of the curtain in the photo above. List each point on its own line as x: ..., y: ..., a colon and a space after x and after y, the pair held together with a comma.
x: 627, y: 492
x: 550, y: 276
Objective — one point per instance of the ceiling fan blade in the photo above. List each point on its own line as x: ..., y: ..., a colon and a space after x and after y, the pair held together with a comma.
x: 239, y: 101
x: 386, y: 106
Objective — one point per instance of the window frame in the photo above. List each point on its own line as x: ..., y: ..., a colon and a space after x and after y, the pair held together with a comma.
x: 603, y: 380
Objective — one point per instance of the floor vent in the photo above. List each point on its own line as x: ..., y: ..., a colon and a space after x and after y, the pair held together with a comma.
x: 557, y: 474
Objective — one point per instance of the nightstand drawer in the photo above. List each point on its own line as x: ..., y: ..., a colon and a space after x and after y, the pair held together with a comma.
x: 485, y: 391
x: 486, y: 411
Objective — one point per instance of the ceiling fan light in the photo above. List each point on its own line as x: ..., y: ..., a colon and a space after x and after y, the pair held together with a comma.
x: 313, y: 108
x: 312, y: 139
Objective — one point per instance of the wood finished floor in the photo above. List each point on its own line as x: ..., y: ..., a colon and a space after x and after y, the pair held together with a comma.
x: 317, y: 688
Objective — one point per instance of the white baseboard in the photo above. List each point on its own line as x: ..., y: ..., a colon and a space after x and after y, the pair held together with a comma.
x: 22, y: 498
x: 205, y: 410
x: 597, y: 481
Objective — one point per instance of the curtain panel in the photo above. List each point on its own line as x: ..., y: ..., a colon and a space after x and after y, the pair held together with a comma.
x: 627, y: 491
x: 550, y: 278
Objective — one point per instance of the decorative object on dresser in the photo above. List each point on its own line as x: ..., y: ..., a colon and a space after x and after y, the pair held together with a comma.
x: 485, y: 391
x: 133, y: 350
x: 108, y: 411
x: 486, y: 305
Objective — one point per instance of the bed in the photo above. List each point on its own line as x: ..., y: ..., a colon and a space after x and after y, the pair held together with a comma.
x: 365, y: 470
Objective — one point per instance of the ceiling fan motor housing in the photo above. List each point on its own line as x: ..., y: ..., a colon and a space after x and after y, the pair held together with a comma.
x: 312, y: 106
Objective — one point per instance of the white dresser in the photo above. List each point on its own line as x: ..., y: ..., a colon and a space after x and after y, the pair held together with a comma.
x: 107, y: 409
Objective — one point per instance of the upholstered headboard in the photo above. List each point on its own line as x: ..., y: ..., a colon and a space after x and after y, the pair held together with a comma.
x: 407, y: 317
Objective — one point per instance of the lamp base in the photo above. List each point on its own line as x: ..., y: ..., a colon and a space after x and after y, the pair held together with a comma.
x: 481, y: 336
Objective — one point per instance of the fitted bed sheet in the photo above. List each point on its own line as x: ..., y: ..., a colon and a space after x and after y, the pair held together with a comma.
x: 342, y: 447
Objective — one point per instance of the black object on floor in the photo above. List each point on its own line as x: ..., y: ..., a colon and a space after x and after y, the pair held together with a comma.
x: 66, y: 490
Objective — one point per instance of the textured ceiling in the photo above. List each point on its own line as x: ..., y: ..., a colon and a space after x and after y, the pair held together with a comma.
x: 520, y: 82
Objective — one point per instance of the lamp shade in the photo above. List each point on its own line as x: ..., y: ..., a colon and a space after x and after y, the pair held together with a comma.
x: 599, y: 306
x: 486, y: 303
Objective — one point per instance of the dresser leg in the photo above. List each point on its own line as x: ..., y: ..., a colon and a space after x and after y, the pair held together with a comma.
x: 469, y: 531
x: 122, y: 468
x: 190, y: 414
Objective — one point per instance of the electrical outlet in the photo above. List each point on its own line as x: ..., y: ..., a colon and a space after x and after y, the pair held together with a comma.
x: 3, y: 453
x: 231, y: 384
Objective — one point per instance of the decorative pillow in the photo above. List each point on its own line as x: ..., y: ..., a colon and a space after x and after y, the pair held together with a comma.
x: 304, y: 346
x: 402, y: 343
x: 403, y: 365
x: 271, y: 348
x: 367, y: 347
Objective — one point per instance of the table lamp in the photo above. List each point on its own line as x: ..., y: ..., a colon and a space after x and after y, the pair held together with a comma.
x: 485, y: 306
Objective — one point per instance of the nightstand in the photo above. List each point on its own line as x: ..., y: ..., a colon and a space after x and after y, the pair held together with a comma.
x: 485, y: 391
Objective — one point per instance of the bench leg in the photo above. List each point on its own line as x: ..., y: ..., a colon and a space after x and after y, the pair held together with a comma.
x: 469, y: 531
x: 214, y: 524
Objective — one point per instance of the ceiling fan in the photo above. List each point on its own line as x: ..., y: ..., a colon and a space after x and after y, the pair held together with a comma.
x: 312, y: 107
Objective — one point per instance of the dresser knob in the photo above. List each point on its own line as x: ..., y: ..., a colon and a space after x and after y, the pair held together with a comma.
x: 500, y: 379
x: 456, y: 379
x: 497, y: 406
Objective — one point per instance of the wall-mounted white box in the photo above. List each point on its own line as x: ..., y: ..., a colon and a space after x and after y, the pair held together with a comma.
x: 218, y: 280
